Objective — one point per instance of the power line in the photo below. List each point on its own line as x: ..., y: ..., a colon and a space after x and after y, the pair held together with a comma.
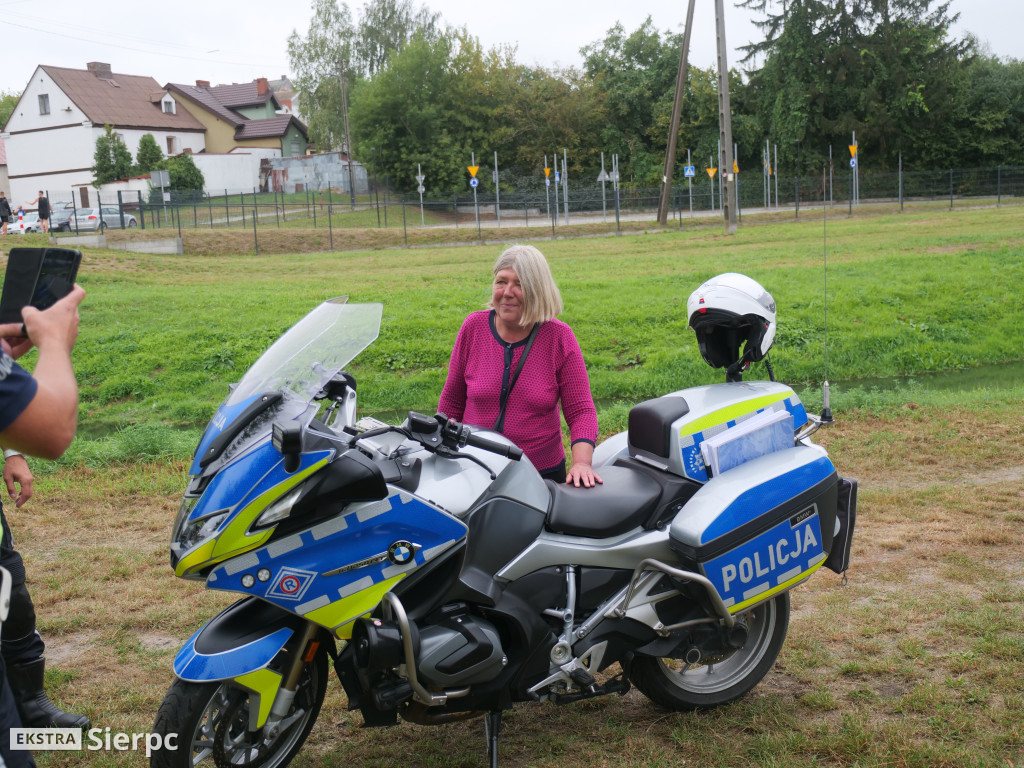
x: 148, y: 50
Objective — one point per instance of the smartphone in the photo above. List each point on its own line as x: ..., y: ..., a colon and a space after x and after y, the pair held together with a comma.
x: 38, y: 277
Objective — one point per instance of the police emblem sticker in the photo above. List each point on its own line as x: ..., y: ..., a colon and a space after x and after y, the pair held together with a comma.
x: 291, y: 584
x: 402, y: 552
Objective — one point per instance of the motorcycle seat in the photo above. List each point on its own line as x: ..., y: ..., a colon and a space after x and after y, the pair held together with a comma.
x: 623, y: 502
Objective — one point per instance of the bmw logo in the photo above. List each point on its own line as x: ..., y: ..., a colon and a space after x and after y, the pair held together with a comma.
x: 402, y: 552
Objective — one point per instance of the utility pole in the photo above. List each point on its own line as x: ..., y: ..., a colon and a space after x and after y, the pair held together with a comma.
x: 348, y: 134
x: 725, y: 126
x: 677, y: 111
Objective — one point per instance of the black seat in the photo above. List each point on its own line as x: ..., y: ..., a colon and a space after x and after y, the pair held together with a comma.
x: 623, y: 502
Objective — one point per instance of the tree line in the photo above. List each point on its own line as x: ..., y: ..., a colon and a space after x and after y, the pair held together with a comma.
x: 423, y: 95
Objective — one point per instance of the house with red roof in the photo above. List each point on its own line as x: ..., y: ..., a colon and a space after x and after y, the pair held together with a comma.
x: 51, y: 136
x: 243, y: 117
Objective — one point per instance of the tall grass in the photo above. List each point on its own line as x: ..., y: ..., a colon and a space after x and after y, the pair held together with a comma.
x: 163, y: 336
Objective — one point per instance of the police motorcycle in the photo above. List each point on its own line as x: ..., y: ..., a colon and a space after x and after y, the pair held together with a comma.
x: 442, y: 578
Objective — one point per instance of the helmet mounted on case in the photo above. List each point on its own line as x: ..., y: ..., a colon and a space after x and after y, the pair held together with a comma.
x: 728, y: 312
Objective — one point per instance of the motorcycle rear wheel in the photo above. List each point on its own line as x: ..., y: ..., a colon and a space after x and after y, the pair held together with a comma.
x: 716, y: 680
x: 211, y: 721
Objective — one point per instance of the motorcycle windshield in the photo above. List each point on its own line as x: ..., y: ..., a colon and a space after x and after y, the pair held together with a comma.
x: 312, y: 351
x: 297, y: 367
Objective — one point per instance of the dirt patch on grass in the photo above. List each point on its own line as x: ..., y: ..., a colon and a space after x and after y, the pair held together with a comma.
x: 913, y: 661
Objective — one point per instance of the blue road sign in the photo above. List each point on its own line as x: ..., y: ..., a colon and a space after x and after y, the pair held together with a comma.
x: 474, y: 183
x: 689, y: 171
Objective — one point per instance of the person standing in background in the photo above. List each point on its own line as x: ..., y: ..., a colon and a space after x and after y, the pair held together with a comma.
x: 5, y: 213
x: 43, y: 208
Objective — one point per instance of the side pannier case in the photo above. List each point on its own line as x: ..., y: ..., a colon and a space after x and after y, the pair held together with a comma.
x: 762, y: 527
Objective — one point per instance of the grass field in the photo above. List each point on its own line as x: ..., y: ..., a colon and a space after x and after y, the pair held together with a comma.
x: 915, y: 662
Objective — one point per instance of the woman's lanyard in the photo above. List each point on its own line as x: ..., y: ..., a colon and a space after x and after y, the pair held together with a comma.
x: 507, y: 391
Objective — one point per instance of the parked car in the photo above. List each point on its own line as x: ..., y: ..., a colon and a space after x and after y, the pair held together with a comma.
x: 60, y: 214
x: 89, y: 219
x: 29, y: 222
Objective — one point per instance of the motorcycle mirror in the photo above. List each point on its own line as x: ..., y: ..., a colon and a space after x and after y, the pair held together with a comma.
x: 287, y: 439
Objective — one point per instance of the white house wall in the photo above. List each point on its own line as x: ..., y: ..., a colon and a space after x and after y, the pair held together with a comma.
x: 233, y: 173
x: 55, y: 152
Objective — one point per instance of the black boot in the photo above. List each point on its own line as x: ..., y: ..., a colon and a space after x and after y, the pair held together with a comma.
x: 35, y: 708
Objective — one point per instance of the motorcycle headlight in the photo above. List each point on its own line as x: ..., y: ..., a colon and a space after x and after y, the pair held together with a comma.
x: 194, y: 532
x: 184, y: 510
x: 279, y: 510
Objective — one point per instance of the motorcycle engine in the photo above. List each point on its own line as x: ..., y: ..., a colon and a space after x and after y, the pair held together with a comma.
x: 455, y: 651
x: 460, y: 650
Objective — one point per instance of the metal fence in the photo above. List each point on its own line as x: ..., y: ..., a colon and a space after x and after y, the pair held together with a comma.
x: 555, y: 206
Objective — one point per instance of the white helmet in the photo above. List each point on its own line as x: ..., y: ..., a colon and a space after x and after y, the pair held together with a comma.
x: 727, y: 311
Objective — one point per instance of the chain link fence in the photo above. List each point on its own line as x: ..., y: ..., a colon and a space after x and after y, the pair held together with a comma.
x: 535, y: 204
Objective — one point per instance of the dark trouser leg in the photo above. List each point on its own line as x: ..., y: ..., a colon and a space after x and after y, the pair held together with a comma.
x: 22, y: 649
x: 12, y: 758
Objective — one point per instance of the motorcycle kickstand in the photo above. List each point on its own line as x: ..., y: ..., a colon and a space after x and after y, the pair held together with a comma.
x: 492, y: 727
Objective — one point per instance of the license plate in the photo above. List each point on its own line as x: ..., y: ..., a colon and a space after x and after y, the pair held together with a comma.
x: 770, y: 563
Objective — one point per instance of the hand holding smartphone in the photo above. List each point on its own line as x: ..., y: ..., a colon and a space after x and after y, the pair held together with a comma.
x: 37, y: 277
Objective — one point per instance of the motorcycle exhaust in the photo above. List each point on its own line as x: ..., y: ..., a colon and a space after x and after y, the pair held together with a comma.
x: 420, y: 714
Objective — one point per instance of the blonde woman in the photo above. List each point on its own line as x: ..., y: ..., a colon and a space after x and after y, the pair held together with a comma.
x: 490, y: 383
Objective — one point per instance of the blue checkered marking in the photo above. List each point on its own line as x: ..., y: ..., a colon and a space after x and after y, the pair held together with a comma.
x: 767, y: 561
x: 364, y: 533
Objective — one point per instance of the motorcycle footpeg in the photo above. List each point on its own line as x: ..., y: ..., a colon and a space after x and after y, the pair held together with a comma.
x: 582, y: 678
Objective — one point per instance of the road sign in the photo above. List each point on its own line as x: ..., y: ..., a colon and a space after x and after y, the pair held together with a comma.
x: 558, y: 176
x: 853, y: 150
x: 547, y: 182
x: 474, y: 183
x: 689, y: 171
x: 603, y: 176
x: 472, y: 170
x: 853, y: 162
x: 735, y: 167
x: 547, y: 173
x: 711, y: 172
x: 421, y: 189
x: 420, y: 179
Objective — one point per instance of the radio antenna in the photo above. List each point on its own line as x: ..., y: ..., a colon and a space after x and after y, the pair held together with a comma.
x: 826, y: 406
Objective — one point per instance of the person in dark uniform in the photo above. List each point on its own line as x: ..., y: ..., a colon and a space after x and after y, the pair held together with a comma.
x: 5, y: 213
x: 43, y: 208
x: 21, y: 646
x: 38, y: 416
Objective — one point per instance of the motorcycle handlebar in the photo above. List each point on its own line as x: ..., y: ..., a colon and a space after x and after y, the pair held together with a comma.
x: 456, y: 434
x: 509, y: 451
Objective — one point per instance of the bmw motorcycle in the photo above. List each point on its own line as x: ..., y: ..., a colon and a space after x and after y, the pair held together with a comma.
x: 442, y: 578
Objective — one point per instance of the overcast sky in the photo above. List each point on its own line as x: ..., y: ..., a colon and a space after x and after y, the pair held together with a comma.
x: 223, y: 42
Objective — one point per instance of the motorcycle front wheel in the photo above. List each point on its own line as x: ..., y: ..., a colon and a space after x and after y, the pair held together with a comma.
x: 212, y: 723
x: 717, y: 678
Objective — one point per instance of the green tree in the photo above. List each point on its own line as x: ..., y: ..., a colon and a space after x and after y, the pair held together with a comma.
x: 989, y: 113
x: 148, y: 156
x: 637, y: 72
x: 8, y: 101
x: 401, y: 116
x: 184, y: 174
x: 386, y: 27
x: 111, y: 160
x: 883, y: 69
x: 316, y: 61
